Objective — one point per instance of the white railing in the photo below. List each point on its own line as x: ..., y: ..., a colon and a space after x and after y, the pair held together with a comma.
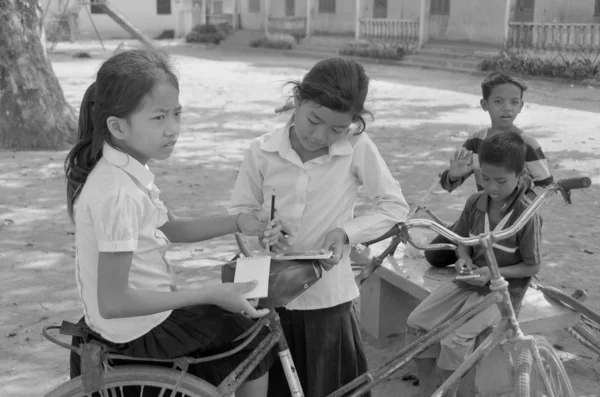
x: 392, y: 30
x: 290, y: 25
x: 554, y: 36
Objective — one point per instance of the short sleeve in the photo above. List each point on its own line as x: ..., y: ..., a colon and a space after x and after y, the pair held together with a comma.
x: 462, y: 227
x: 530, y: 241
x: 117, y: 217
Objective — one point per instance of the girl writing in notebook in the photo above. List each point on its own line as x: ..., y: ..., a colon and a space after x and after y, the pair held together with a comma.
x: 315, y: 164
x: 129, y: 116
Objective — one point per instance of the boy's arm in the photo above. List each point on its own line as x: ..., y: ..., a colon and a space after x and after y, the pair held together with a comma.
x: 462, y: 228
x: 530, y: 241
x: 536, y: 163
x: 383, y: 190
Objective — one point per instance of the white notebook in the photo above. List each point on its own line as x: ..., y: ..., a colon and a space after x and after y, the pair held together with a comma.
x: 254, y: 268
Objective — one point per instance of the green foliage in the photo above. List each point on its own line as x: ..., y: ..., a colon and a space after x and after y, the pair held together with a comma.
x: 208, y: 33
x: 374, y: 50
x: 267, y: 42
x: 581, y: 67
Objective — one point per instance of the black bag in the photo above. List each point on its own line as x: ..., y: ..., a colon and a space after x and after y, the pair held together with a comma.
x: 287, y: 279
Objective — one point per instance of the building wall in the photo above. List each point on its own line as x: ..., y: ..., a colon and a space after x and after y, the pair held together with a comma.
x: 479, y: 21
x: 396, y: 9
x: 252, y: 20
x: 340, y: 22
x: 580, y: 11
x: 141, y: 13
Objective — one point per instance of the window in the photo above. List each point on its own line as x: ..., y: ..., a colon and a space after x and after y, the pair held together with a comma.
x: 380, y: 8
x: 217, y: 7
x: 290, y: 8
x: 95, y: 8
x: 327, y: 6
x: 163, y: 7
x: 253, y: 5
x: 440, y: 7
x: 597, y: 9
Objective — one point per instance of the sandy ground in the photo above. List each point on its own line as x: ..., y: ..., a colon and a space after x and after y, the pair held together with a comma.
x: 420, y: 117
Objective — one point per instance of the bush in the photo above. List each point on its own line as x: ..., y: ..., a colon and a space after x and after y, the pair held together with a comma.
x: 374, y: 50
x: 166, y: 34
x: 580, y: 68
x: 208, y: 34
x: 267, y: 42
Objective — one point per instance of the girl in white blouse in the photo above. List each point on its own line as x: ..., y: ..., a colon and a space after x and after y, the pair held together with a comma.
x: 315, y: 165
x: 130, y: 115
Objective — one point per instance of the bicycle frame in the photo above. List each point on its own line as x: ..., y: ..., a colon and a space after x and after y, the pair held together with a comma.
x: 507, y: 329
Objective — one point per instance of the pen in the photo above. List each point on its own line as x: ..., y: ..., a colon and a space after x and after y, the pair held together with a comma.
x: 272, y: 216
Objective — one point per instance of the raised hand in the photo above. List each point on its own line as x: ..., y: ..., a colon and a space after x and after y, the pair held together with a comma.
x: 461, y: 163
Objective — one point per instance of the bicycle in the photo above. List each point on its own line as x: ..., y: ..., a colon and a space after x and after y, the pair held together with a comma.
x: 534, y: 360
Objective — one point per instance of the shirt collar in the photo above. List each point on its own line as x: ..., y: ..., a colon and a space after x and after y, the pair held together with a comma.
x: 279, y: 141
x: 523, y: 185
x: 128, y: 164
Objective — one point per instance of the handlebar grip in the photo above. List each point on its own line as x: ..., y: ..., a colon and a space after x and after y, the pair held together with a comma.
x: 579, y: 182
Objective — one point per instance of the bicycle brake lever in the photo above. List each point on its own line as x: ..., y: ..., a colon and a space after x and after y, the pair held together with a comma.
x: 566, y: 195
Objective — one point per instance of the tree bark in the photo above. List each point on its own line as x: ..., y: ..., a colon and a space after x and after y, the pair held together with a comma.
x: 33, y: 111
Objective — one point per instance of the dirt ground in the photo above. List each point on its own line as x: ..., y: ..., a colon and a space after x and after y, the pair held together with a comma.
x: 228, y: 99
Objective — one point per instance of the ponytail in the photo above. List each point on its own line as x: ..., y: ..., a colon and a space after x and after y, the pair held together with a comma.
x: 85, y: 154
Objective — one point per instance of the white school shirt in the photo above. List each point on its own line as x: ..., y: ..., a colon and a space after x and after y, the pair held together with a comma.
x: 118, y: 210
x: 315, y: 197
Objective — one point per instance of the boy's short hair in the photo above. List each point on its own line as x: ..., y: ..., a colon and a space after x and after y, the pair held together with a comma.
x: 498, y: 78
x: 506, y: 150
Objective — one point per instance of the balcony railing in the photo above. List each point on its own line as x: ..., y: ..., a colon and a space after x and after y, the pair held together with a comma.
x: 581, y: 37
x: 389, y: 30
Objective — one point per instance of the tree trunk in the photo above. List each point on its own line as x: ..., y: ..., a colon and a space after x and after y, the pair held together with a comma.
x: 33, y: 111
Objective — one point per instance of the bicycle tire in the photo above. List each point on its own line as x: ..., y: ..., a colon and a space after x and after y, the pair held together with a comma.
x: 528, y: 382
x: 573, y: 303
x: 142, y: 376
x: 589, y: 332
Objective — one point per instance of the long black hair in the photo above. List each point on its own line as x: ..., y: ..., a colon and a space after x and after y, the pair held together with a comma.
x: 338, y: 84
x: 121, y: 84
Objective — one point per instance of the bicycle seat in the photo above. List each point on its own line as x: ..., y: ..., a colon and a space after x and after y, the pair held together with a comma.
x: 287, y: 280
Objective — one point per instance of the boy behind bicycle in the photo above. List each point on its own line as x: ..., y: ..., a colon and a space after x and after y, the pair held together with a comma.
x: 507, y: 194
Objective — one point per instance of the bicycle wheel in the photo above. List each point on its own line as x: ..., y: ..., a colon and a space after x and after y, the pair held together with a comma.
x: 528, y: 379
x: 576, y: 305
x: 587, y: 332
x: 140, y: 381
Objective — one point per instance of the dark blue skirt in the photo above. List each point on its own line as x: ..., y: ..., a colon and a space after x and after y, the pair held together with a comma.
x: 195, y: 331
x: 327, y: 349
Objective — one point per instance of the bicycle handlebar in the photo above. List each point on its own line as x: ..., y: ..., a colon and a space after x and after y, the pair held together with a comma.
x: 580, y: 182
x: 564, y: 185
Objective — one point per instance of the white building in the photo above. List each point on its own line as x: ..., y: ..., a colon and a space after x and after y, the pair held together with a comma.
x: 151, y: 17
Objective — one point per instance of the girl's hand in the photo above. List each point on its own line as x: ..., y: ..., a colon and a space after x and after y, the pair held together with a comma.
x: 461, y: 163
x: 281, y: 245
x: 334, y: 241
x: 483, y: 279
x: 257, y: 224
x: 229, y: 297
x: 464, y: 265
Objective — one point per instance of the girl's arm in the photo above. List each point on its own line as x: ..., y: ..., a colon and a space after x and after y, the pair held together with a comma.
x: 189, y: 230
x: 389, y: 206
x: 248, y: 189
x: 116, y: 299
